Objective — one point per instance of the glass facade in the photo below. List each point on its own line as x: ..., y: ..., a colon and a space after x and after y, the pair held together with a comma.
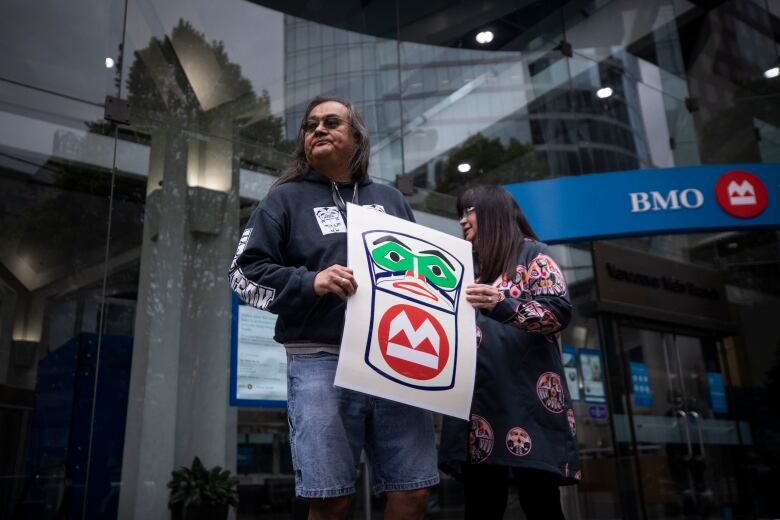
x: 136, y: 137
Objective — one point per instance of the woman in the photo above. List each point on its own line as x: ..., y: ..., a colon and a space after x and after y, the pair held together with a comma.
x: 522, y: 426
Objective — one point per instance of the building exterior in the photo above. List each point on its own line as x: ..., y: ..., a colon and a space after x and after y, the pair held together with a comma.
x: 136, y: 137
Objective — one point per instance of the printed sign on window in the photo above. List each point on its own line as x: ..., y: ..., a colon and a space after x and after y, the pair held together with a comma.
x: 592, y: 376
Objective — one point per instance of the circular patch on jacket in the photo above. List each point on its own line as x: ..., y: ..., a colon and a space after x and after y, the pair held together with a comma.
x: 572, y: 422
x: 479, y: 336
x: 481, y: 439
x: 550, y: 392
x: 518, y: 442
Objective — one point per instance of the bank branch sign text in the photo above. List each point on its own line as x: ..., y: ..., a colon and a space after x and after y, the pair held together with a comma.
x: 646, y: 202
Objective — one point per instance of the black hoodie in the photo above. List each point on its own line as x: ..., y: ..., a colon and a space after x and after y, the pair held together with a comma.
x: 294, y: 233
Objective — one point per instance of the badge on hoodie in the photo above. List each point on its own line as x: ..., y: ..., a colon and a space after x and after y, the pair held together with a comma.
x: 329, y: 219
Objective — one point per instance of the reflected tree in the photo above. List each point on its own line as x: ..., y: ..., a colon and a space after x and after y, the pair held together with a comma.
x: 491, y: 162
x: 189, y: 79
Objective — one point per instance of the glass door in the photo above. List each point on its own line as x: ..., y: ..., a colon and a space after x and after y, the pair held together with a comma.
x: 681, y: 423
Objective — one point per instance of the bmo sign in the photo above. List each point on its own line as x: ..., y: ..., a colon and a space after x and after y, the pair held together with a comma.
x: 690, y: 198
x: 646, y: 202
x: 739, y: 193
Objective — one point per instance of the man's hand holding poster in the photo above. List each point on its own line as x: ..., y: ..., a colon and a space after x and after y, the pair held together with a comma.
x: 409, y: 334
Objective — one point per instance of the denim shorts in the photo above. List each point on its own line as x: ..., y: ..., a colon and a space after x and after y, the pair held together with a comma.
x: 329, y: 426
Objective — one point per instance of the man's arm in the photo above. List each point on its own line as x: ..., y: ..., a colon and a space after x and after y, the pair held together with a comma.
x: 258, y: 274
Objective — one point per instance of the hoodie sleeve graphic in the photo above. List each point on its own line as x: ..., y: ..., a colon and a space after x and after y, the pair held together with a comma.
x: 258, y: 274
x: 252, y: 293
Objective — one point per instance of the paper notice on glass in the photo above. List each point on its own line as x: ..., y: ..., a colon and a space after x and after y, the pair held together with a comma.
x: 409, y: 334
x: 261, y: 369
x: 592, y: 376
x: 570, y: 369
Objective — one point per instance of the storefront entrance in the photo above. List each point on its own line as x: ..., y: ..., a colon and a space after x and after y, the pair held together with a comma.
x: 678, y: 421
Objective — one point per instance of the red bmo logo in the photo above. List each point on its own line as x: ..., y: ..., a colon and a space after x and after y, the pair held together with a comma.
x: 741, y: 194
x: 413, y: 342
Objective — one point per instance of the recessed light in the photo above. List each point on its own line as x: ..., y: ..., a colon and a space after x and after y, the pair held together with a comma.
x: 484, y: 37
x: 604, y: 93
x: 464, y: 167
x: 772, y: 73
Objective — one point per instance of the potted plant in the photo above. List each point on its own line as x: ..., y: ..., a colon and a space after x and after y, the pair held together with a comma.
x: 198, y: 493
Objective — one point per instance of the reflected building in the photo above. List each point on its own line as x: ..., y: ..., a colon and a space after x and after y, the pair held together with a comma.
x: 124, y: 185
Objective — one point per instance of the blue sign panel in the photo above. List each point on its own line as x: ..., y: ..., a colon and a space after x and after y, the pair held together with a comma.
x: 717, y: 392
x: 646, y: 202
x: 640, y: 385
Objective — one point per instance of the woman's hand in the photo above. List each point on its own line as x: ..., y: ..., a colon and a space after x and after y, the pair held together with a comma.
x: 482, y: 296
x: 335, y: 279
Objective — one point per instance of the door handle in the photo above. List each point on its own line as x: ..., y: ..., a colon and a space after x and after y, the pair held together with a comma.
x: 697, y: 418
x: 689, y: 455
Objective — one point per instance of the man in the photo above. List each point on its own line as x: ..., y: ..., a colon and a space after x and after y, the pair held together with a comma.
x: 291, y: 261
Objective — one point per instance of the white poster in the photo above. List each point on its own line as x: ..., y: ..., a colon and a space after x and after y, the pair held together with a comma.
x: 261, y: 371
x: 409, y: 334
x: 570, y: 369
x: 592, y: 376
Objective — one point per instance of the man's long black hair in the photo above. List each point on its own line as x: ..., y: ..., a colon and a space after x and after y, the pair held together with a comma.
x: 359, y: 162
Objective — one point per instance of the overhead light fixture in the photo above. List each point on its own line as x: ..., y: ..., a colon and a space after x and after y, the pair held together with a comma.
x: 484, y: 37
x: 109, y: 63
x: 464, y: 167
x: 772, y: 73
x: 604, y: 92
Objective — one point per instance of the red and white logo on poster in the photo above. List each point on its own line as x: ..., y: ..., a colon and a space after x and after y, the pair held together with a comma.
x: 413, y: 342
x: 741, y: 194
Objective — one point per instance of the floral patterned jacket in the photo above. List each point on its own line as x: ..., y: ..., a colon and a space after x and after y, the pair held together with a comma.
x: 521, y: 415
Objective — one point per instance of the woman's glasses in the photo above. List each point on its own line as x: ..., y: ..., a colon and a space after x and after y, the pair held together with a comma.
x: 329, y: 122
x: 467, y: 211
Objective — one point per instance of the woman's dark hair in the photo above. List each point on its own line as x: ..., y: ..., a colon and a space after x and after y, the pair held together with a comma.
x: 501, y: 228
x: 359, y: 162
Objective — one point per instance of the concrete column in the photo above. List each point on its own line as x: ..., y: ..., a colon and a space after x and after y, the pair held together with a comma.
x: 178, y: 402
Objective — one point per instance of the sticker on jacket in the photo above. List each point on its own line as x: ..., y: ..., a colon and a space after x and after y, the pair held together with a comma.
x: 550, y: 392
x: 518, y: 442
x: 376, y: 207
x: 330, y: 221
x: 481, y: 439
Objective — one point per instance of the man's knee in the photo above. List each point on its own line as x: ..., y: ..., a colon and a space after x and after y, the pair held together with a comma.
x: 334, y: 508
x: 416, y: 495
x: 413, y: 500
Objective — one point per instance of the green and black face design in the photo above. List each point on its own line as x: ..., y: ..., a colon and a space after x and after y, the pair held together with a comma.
x: 413, y: 268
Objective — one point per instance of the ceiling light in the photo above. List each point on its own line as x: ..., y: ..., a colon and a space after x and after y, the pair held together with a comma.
x: 772, y: 73
x: 604, y: 93
x: 485, y: 37
x: 109, y: 63
x: 464, y: 167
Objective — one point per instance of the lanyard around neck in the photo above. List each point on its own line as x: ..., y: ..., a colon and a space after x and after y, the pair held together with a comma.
x: 338, y: 200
